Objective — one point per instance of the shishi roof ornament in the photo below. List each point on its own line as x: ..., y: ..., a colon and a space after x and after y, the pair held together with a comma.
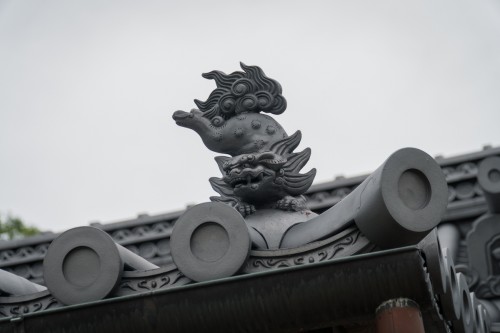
x: 263, y: 170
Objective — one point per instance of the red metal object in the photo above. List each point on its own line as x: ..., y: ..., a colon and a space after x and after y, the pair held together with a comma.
x: 401, y: 315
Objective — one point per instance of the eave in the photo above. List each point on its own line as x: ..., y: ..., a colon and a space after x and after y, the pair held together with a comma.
x: 341, y: 292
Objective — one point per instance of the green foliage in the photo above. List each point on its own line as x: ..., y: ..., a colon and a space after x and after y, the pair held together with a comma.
x: 12, y: 227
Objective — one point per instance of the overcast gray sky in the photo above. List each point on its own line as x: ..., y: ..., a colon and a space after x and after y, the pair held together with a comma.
x: 87, y: 89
